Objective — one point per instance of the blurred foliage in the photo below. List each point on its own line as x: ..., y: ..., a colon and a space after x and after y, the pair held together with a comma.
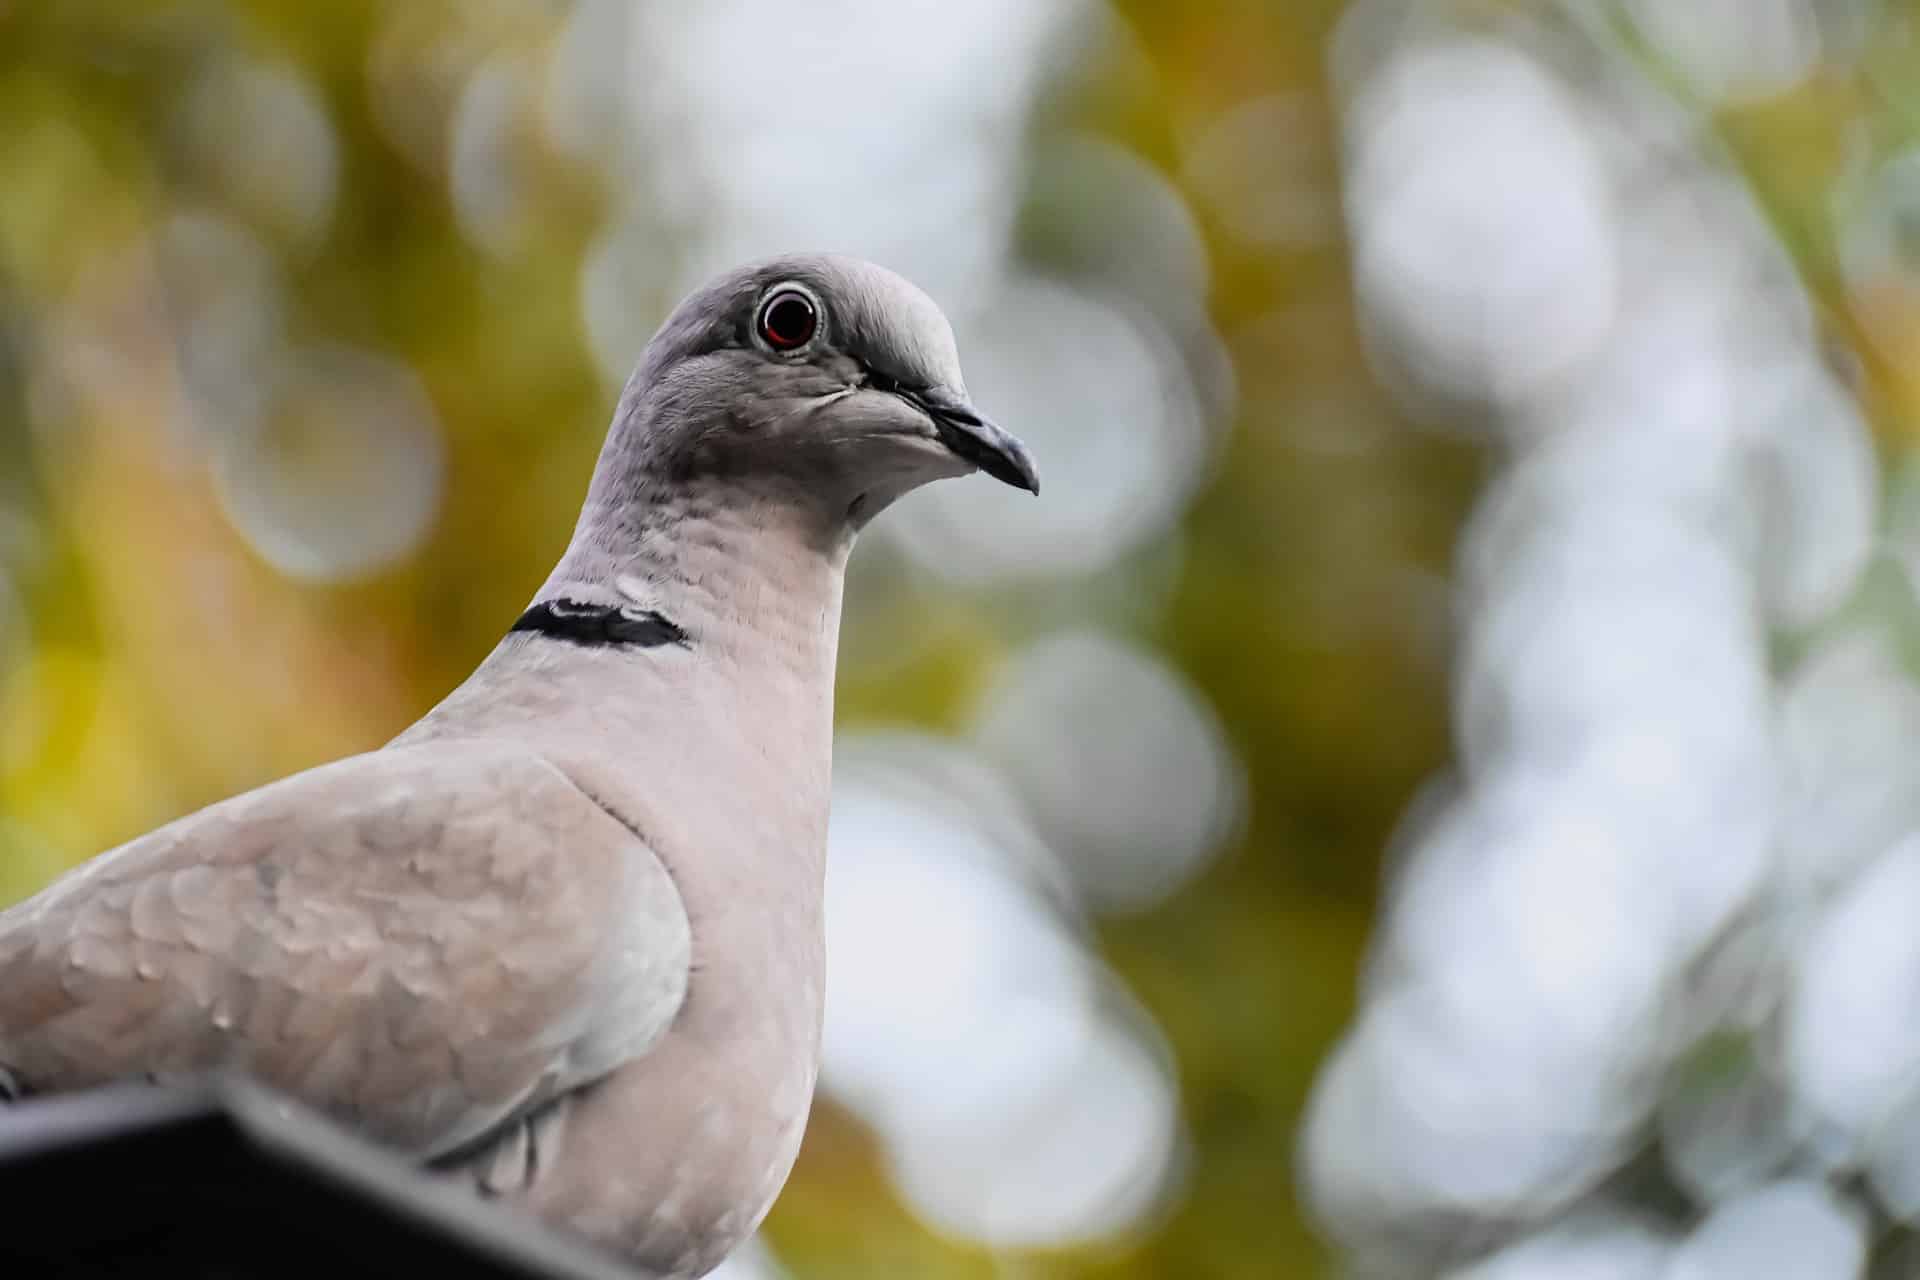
x: 170, y: 665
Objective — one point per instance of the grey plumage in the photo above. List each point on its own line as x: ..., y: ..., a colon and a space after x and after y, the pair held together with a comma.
x: 562, y: 938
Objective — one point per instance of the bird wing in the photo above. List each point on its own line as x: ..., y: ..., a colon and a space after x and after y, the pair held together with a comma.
x: 423, y: 942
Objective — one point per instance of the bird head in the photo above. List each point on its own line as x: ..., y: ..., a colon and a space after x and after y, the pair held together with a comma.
x: 824, y: 381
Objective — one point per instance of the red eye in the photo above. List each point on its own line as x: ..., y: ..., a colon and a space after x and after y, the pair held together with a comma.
x: 787, y: 320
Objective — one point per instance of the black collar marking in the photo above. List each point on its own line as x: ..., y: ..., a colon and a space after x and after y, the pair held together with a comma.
x: 597, y: 625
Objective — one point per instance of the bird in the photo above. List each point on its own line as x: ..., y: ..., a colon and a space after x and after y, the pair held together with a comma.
x: 561, y: 940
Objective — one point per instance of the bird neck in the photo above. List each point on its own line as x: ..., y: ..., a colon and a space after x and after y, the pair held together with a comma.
x: 729, y: 718
x: 736, y: 568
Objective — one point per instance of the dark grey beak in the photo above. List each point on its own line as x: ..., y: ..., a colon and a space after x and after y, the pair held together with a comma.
x: 974, y: 438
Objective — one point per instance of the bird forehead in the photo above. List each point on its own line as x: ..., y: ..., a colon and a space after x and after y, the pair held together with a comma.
x: 894, y: 325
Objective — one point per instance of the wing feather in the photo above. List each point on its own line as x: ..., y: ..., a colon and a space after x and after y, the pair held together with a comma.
x: 422, y: 942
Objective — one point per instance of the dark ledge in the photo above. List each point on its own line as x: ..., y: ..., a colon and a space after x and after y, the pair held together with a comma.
x: 228, y: 1182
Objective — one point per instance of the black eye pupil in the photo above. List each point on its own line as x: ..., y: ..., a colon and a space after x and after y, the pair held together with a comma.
x: 787, y: 321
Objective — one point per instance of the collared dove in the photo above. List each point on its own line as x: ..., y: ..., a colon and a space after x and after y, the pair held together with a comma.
x: 562, y: 938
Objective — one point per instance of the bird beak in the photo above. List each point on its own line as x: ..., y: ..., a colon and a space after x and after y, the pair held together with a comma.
x: 974, y: 438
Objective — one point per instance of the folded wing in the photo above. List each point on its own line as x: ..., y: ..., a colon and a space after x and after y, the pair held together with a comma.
x: 424, y: 943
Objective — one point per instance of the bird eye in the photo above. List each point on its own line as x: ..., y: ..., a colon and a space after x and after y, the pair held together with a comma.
x: 787, y: 320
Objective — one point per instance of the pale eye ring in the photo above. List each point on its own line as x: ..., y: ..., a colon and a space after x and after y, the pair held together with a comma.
x: 788, y: 320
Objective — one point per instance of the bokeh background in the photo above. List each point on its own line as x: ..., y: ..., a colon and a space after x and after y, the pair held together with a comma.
x: 1433, y: 787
